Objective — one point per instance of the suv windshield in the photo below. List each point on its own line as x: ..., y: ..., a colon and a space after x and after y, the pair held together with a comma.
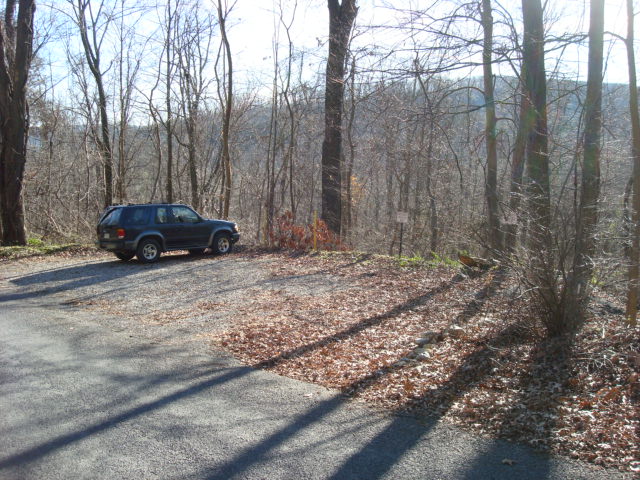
x: 111, y: 218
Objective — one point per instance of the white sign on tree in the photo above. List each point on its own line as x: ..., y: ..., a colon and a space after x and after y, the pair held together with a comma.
x: 402, y: 217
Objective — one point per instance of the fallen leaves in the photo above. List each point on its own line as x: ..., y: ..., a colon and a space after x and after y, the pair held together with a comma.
x: 430, y: 340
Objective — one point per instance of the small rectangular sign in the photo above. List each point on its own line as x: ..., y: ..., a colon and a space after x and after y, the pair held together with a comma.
x: 402, y: 217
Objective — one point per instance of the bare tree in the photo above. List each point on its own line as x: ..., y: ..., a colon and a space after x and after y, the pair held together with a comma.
x: 170, y: 20
x: 128, y: 63
x: 587, y: 215
x: 226, y: 101
x: 288, y: 164
x: 16, y: 52
x: 491, y: 182
x: 542, y: 267
x: 341, y: 18
x: 634, y: 267
x: 93, y: 26
x: 193, y: 46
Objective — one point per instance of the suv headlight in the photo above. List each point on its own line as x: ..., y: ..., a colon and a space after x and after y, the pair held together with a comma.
x: 235, y: 228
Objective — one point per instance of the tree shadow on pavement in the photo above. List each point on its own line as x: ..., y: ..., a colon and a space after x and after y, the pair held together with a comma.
x: 61, y: 441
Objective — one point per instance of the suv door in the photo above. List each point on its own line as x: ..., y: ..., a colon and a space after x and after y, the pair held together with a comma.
x: 167, y: 225
x: 194, y: 231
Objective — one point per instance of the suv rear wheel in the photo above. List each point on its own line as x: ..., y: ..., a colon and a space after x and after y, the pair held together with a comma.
x: 148, y: 250
x: 221, y: 243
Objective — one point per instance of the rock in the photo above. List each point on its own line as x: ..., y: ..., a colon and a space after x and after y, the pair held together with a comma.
x: 422, y: 341
x: 430, y: 337
x: 456, y: 332
x: 423, y: 356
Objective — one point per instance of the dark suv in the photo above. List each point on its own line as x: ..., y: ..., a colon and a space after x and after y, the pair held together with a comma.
x: 150, y: 229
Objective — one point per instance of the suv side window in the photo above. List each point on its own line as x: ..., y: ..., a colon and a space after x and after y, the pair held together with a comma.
x: 162, y: 215
x: 185, y: 215
x: 135, y: 216
x: 112, y: 218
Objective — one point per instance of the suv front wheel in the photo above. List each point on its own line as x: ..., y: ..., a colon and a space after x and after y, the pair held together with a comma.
x: 148, y: 251
x: 221, y: 243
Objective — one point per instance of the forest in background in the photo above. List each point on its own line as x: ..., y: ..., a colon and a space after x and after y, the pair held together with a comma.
x: 445, y: 124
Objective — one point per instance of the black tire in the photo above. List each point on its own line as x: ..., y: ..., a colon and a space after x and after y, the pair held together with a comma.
x: 221, y: 243
x: 196, y: 251
x: 125, y: 256
x: 148, y: 251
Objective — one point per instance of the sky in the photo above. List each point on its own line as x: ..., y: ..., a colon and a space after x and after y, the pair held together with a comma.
x: 254, y: 28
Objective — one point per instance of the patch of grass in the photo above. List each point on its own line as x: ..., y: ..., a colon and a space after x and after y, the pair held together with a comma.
x: 436, y: 260
x: 36, y: 247
x: 35, y: 242
x: 444, y: 260
x: 411, y: 262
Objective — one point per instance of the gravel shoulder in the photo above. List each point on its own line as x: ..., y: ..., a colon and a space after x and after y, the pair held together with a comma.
x: 179, y: 298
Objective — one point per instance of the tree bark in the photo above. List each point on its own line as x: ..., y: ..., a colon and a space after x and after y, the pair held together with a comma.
x: 634, y: 253
x: 168, y: 80
x: 588, y: 211
x: 16, y: 52
x: 518, y: 158
x: 341, y: 18
x: 541, y: 265
x: 517, y: 171
x: 491, y: 182
x: 226, y: 121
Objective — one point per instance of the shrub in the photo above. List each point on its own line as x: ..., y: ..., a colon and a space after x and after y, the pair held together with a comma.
x: 288, y: 234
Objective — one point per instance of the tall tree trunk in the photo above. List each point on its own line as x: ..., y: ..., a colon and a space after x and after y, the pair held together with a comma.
x: 291, y: 146
x: 541, y: 267
x: 226, y: 121
x: 518, y: 157
x: 517, y: 171
x: 634, y: 254
x: 347, y: 219
x: 588, y: 210
x: 192, y: 162
x: 341, y: 18
x: 120, y: 180
x: 91, y: 48
x: 16, y: 52
x: 491, y: 182
x: 272, y: 152
x: 169, y: 122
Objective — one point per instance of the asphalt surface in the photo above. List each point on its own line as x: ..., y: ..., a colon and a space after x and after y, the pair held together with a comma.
x: 84, y: 397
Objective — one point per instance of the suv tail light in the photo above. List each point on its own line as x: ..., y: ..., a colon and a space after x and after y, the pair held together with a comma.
x: 120, y: 232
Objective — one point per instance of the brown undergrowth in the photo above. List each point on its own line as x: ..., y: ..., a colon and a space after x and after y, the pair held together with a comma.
x: 486, y: 365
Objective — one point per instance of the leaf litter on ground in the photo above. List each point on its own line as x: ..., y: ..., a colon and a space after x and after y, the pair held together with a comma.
x: 497, y: 375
